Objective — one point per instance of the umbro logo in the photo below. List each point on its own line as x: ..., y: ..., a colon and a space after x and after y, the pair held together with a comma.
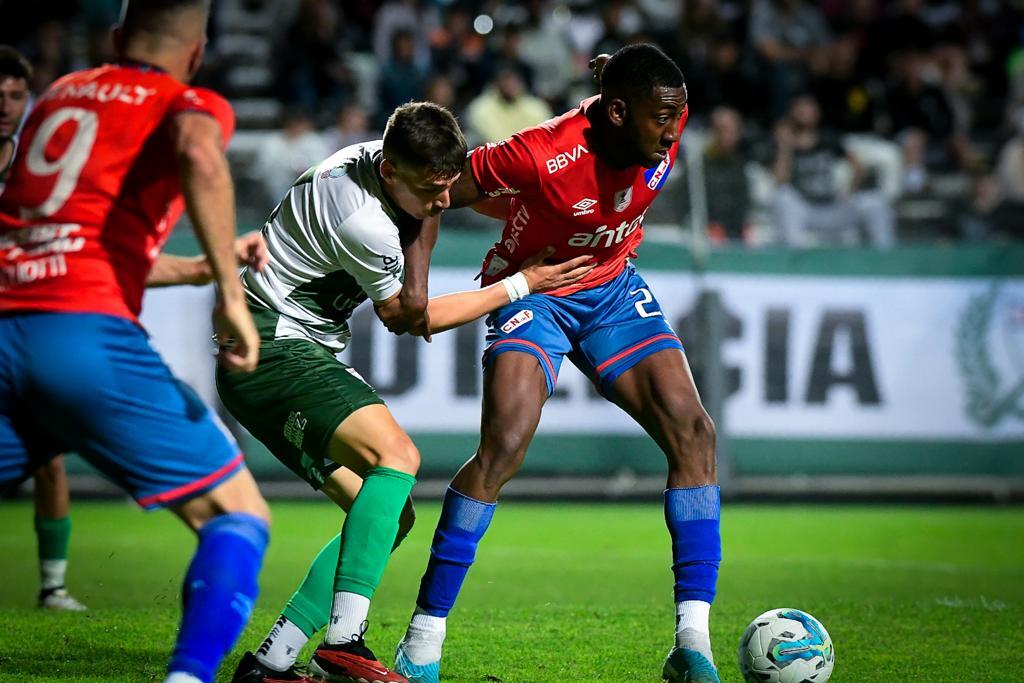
x: 584, y: 206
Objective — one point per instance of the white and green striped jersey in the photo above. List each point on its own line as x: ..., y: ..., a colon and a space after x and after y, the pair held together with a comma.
x: 334, y: 242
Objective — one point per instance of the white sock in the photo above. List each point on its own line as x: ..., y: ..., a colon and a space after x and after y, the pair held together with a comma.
x: 181, y: 677
x: 348, y: 613
x: 52, y: 573
x: 424, y: 638
x: 692, y: 614
x: 282, y: 646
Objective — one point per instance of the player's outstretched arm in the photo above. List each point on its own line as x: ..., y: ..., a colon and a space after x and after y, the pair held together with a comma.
x: 452, y: 310
x: 411, y: 313
x: 169, y: 270
x: 210, y: 198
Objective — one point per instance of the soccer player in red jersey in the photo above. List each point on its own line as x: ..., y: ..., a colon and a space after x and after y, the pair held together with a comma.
x: 583, y: 182
x: 109, y: 158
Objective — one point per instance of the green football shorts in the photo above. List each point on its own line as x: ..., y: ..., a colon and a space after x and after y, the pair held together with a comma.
x: 294, y: 401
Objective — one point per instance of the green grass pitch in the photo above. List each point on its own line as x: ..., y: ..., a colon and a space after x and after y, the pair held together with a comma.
x: 564, y: 592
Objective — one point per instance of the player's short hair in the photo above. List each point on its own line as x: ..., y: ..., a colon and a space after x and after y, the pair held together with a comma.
x: 13, y: 64
x: 425, y: 135
x: 154, y: 16
x: 638, y: 69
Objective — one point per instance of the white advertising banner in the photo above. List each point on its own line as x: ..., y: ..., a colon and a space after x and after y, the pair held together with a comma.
x: 806, y: 357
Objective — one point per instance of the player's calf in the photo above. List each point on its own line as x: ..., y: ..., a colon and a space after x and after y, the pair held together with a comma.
x: 221, y: 583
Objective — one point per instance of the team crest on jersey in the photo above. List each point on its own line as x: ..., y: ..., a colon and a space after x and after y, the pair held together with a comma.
x: 521, y: 318
x: 623, y: 199
x: 656, y: 176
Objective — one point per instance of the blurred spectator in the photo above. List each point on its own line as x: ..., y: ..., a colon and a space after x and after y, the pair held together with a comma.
x: 1010, y: 167
x: 790, y: 36
x: 725, y: 178
x: 510, y: 54
x: 352, y: 127
x: 850, y: 102
x: 546, y: 48
x: 987, y: 214
x: 923, y: 118
x: 415, y: 17
x: 462, y: 54
x: 621, y: 20
x: 288, y: 153
x: 725, y: 81
x: 504, y: 108
x: 809, y: 207
x: 401, y: 79
x: 311, y: 66
x: 440, y: 90
x: 896, y: 32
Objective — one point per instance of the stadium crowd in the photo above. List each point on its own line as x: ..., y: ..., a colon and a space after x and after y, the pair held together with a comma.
x: 862, y: 121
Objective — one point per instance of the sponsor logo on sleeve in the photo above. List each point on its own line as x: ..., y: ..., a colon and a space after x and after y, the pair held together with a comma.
x: 521, y: 318
x: 656, y: 176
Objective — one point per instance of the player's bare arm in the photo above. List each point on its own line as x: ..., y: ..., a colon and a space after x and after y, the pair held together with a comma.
x: 210, y: 198
x: 169, y: 270
x: 454, y: 310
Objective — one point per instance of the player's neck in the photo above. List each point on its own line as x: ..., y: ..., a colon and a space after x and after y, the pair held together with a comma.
x: 605, y: 143
x: 174, y: 67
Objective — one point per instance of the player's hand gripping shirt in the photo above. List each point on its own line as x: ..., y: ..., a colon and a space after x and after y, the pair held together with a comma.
x: 564, y: 196
x: 334, y: 241
x: 94, y: 190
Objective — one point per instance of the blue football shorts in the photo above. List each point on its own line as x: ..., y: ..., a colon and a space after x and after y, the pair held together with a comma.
x: 604, y: 331
x: 92, y: 384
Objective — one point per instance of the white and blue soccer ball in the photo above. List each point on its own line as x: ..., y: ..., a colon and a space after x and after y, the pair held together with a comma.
x: 786, y: 646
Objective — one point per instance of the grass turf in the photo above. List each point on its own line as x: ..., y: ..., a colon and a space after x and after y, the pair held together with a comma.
x: 564, y: 592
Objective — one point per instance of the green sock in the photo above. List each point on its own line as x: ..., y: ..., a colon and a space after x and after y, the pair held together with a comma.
x: 370, y: 530
x: 310, y: 607
x: 53, y: 536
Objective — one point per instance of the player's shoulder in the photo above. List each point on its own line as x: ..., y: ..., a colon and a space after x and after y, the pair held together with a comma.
x: 561, y: 143
x: 348, y: 189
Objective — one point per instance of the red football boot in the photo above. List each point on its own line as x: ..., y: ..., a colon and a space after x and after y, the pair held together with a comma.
x: 351, y: 662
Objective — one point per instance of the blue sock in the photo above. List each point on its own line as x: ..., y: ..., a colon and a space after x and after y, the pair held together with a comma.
x: 219, y: 591
x: 693, y: 516
x: 462, y: 525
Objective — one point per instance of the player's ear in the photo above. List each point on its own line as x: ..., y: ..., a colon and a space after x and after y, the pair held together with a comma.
x: 117, y: 38
x: 387, y: 171
x: 617, y: 111
x: 195, y: 59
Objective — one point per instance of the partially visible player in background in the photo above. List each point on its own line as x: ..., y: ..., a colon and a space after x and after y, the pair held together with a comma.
x: 583, y: 181
x: 15, y: 74
x: 50, y: 492
x: 110, y: 158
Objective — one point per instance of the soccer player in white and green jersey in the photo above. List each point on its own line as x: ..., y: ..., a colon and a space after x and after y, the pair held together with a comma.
x: 335, y: 240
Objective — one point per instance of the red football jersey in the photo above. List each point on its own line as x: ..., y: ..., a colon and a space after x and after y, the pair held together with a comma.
x: 564, y: 196
x: 94, y: 190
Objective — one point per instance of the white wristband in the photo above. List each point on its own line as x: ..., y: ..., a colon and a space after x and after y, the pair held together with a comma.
x: 516, y: 287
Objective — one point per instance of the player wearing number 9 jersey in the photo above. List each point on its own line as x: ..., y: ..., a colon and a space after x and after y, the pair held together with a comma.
x: 583, y: 181
x: 109, y: 158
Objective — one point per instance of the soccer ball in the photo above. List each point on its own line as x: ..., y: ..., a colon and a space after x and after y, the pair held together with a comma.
x: 786, y: 646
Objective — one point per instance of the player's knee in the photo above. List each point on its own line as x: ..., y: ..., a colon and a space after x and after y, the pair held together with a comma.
x: 693, y: 435
x: 500, y: 457
x: 398, y: 453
